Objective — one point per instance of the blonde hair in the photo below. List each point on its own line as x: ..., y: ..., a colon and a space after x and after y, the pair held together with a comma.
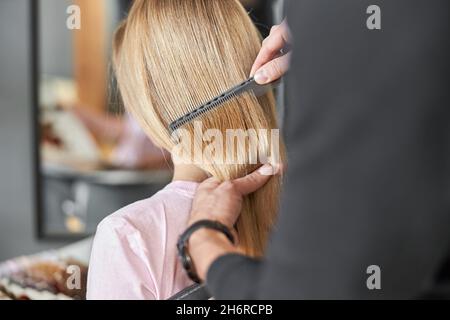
x: 170, y: 56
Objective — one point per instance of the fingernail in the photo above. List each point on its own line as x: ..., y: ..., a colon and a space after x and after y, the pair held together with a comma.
x: 276, y: 169
x: 261, y: 77
x: 266, y: 170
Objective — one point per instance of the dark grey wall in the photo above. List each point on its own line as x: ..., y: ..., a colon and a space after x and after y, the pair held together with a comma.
x: 56, y: 41
x: 17, y: 214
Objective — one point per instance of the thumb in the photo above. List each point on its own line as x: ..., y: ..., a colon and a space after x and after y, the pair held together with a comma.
x: 273, y: 70
x: 255, y: 180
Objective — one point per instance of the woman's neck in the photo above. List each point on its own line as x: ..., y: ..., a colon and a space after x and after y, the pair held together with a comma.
x: 189, y: 172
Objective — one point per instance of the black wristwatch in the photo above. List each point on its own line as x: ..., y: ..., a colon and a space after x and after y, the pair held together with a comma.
x: 182, y: 244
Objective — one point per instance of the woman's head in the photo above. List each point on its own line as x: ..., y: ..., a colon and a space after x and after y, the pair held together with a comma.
x: 172, y: 56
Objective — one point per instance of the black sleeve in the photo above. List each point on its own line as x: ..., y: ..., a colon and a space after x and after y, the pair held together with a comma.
x: 234, y: 276
x: 368, y: 136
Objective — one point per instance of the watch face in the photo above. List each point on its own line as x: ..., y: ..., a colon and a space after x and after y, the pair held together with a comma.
x: 183, y: 257
x: 187, y: 261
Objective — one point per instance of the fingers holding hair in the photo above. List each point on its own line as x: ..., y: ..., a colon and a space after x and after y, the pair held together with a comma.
x: 273, y: 70
x: 272, y: 48
x: 255, y: 180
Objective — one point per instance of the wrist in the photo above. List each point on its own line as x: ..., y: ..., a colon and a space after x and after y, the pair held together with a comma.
x: 197, y: 217
x: 205, y: 246
x: 196, y: 255
x: 204, y: 235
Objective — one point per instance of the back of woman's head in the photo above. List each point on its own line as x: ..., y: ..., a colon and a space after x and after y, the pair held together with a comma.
x: 171, y: 56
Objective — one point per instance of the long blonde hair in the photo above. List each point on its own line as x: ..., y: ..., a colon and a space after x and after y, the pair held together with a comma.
x: 170, y: 56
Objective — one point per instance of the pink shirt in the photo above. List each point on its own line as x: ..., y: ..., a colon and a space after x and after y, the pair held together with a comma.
x: 134, y: 252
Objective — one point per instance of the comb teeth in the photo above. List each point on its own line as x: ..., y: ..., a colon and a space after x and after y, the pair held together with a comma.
x: 247, y: 85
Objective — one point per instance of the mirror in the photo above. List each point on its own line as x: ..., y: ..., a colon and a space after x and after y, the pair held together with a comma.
x: 93, y: 158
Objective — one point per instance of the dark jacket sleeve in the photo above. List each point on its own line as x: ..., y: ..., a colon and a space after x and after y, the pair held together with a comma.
x: 368, y: 137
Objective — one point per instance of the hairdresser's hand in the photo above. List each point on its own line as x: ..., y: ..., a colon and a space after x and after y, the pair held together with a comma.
x: 222, y: 202
x: 273, y: 60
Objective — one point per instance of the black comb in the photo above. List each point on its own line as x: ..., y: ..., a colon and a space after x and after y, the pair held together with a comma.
x: 247, y: 85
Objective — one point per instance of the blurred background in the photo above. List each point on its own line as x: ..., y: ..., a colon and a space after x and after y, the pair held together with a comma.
x: 69, y: 154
